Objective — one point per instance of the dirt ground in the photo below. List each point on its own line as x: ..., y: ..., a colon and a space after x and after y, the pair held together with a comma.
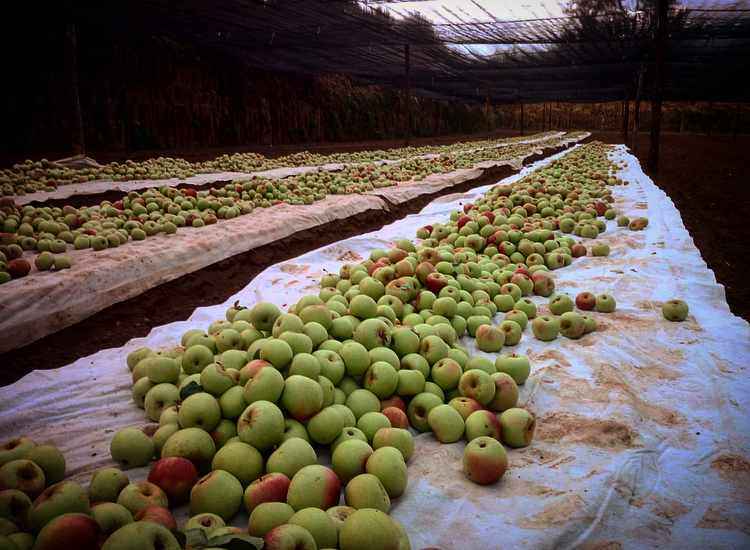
x: 706, y: 177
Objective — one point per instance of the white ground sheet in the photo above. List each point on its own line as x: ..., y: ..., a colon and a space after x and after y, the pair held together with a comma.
x: 643, y: 438
x: 101, y: 186
x: 44, y: 301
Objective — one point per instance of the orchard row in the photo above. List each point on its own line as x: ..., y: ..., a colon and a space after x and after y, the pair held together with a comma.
x: 52, y: 231
x: 32, y: 176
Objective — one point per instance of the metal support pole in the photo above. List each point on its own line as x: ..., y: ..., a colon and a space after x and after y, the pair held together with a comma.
x: 660, y: 54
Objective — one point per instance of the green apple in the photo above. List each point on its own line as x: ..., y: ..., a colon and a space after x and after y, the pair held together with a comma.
x: 267, y: 516
x: 137, y: 496
x: 66, y: 497
x: 194, y: 444
x: 446, y: 423
x: 326, y: 425
x: 302, y: 397
x: 546, y: 328
x: 265, y: 384
x: 50, y: 460
x: 241, y: 460
x: 506, y: 392
x: 355, y: 357
x: 349, y: 458
x: 200, y: 410
x: 366, y: 491
x: 675, y: 310
x: 419, y: 408
x: 15, y: 449
x: 368, y: 528
x: 314, y: 486
x: 320, y: 525
x: 142, y: 535
x: 132, y: 448
x: 517, y: 427
x: 218, y: 492
x: 371, y: 422
x: 111, y: 516
x: 262, y: 425
x: 291, y: 456
x: 389, y: 466
x: 106, y: 484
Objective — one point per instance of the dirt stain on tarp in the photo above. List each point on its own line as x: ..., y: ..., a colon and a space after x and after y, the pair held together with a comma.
x: 558, y: 512
x: 513, y: 486
x: 665, y: 508
x: 570, y: 388
x: 521, y: 458
x: 732, y: 467
x: 550, y: 355
x: 718, y: 517
x: 293, y: 269
x: 735, y: 469
x: 601, y: 545
x: 572, y: 428
x: 609, y: 378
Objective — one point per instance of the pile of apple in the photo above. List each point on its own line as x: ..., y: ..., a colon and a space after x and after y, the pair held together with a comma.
x: 32, y: 176
x: 355, y: 368
x: 247, y: 408
x: 50, y: 231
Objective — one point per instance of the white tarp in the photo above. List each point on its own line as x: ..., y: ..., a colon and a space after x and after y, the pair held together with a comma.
x: 103, y: 186
x: 44, y: 302
x: 642, y: 437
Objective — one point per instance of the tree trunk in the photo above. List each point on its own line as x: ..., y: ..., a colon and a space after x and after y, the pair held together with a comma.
x: 407, y: 92
x: 71, y: 68
x: 660, y: 45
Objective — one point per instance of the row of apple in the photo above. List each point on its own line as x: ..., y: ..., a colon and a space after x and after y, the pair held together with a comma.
x: 31, y: 176
x: 139, y: 215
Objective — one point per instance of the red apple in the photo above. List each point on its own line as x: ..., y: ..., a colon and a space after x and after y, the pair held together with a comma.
x: 578, y: 250
x: 397, y: 417
x: 585, y: 301
x: 395, y: 401
x: 157, y: 514
x: 69, y: 531
x: 175, y: 476
x: 269, y: 488
x: 423, y: 270
x: 382, y: 262
x: 435, y: 282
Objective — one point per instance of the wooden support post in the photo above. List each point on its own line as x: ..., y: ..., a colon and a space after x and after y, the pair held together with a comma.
x: 625, y: 119
x: 522, y: 121
x: 71, y: 68
x: 407, y: 91
x: 660, y: 54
